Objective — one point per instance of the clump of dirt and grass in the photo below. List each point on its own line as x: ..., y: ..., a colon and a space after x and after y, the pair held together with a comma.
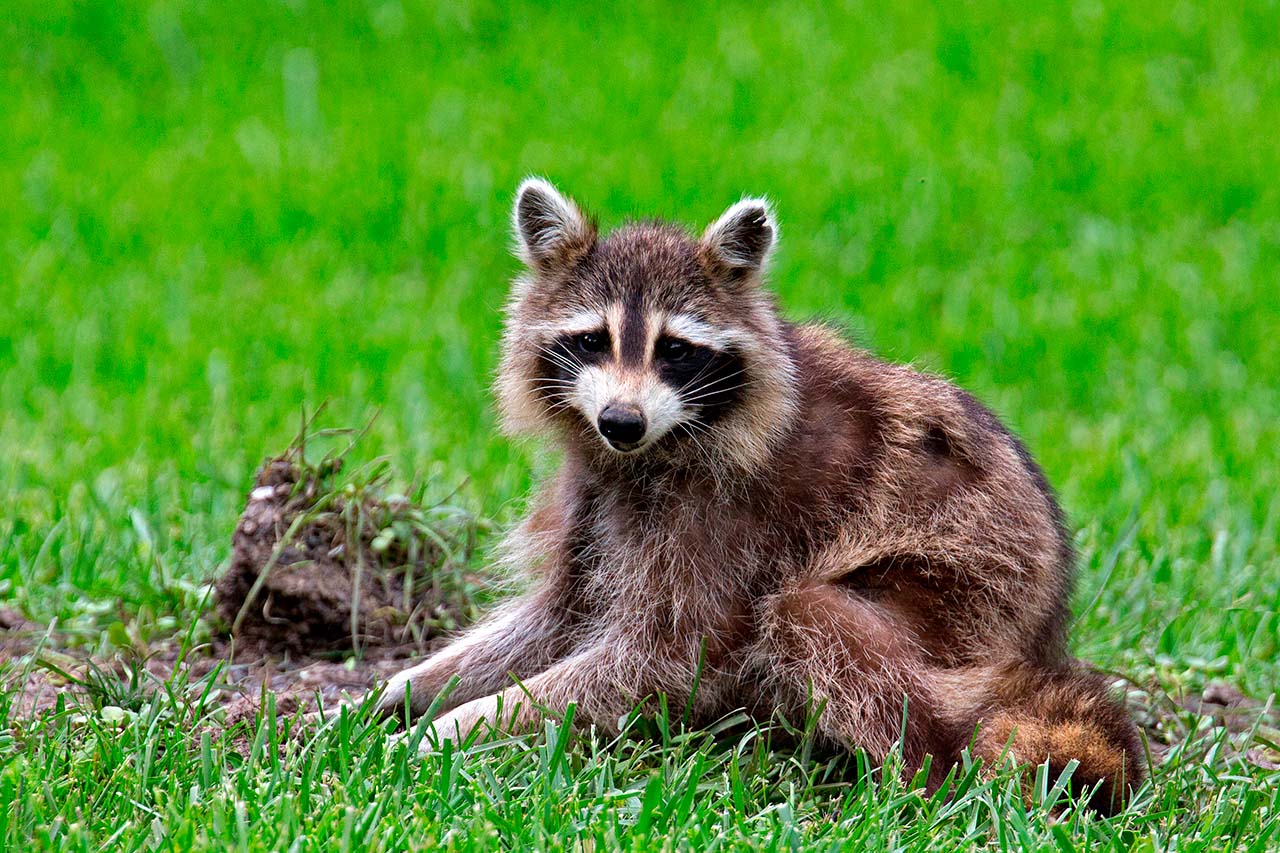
x: 337, y: 578
x: 327, y: 562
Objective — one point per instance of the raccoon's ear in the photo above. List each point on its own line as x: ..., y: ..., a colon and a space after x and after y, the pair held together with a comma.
x: 742, y: 238
x: 550, y: 229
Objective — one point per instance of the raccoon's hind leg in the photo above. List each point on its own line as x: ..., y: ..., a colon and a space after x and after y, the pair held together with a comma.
x: 865, y: 669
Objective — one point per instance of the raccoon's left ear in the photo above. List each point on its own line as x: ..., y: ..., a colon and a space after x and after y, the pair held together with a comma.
x: 550, y: 229
x: 744, y: 235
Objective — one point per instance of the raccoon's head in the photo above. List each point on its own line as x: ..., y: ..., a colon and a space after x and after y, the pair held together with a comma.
x: 647, y: 343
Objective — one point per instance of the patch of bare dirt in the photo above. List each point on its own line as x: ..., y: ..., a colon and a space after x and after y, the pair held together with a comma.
x: 19, y: 638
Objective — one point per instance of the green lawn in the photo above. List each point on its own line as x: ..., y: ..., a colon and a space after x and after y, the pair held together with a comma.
x: 212, y: 215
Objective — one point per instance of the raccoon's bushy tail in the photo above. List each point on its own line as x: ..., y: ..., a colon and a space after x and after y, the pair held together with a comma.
x: 1064, y: 715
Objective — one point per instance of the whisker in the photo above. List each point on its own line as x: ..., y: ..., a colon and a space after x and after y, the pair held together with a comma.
x: 556, y: 389
x: 562, y: 359
x: 560, y: 362
x: 555, y: 404
x: 707, y: 385
x: 729, y: 390
x: 696, y: 377
x: 693, y: 428
x: 696, y: 401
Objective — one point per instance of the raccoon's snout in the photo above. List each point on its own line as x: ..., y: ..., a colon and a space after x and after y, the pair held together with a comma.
x: 622, y: 426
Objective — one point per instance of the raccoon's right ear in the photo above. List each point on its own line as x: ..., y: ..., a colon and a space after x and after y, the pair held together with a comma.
x: 550, y: 229
x: 744, y: 235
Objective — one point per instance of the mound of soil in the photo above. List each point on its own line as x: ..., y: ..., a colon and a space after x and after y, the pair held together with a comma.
x: 320, y: 568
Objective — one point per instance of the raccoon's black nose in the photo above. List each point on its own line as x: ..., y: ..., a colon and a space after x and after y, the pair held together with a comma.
x: 621, y: 425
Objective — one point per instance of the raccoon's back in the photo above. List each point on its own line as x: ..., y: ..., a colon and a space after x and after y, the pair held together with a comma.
x: 936, y: 500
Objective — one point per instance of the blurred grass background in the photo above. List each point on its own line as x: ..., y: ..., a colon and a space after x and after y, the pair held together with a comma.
x: 212, y: 215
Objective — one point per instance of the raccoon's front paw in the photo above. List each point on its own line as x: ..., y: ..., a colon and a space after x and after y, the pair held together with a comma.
x: 392, y: 696
x: 453, y: 727
x: 415, y: 691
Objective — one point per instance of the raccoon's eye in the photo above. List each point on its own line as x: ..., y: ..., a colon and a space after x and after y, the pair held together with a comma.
x: 673, y: 349
x: 591, y: 342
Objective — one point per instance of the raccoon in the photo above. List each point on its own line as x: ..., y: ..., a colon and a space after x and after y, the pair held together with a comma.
x: 752, y: 514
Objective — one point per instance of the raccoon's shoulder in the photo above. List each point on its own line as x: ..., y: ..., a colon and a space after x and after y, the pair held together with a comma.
x: 917, y: 431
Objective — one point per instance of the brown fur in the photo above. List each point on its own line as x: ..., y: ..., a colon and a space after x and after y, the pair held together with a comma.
x: 851, y: 532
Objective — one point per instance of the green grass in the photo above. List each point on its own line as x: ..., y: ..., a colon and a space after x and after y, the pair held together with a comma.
x: 212, y: 215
